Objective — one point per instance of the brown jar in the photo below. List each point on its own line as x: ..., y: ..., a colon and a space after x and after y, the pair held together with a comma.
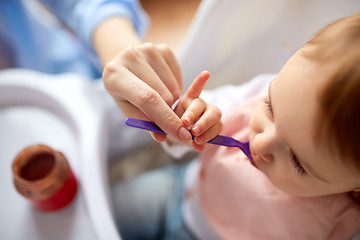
x: 44, y: 177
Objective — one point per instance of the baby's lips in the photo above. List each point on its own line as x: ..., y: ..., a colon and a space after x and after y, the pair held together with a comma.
x: 252, y: 161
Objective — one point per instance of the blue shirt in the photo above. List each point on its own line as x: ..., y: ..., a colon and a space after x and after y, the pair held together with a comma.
x: 30, y: 37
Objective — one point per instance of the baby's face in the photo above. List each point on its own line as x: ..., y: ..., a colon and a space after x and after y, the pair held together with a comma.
x: 282, y: 132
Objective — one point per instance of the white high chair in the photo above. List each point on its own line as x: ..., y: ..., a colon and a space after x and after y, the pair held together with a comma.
x: 66, y: 113
x: 234, y: 40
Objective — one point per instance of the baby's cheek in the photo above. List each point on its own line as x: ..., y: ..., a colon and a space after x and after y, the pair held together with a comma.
x: 286, y: 181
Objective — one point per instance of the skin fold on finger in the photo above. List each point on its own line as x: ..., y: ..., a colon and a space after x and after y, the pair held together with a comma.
x: 130, y: 110
x: 196, y: 108
x: 209, y: 134
x: 209, y: 118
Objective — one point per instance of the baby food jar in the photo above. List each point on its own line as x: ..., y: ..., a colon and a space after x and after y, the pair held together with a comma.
x: 44, y: 177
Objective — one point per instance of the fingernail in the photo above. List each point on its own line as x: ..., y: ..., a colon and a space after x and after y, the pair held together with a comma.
x: 184, y: 134
x: 186, y: 120
x: 196, y: 130
x: 199, y: 140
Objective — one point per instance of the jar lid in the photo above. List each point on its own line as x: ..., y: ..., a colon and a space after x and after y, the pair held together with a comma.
x: 39, y: 171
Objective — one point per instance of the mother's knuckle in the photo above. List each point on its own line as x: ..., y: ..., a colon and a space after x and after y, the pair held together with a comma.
x: 147, y: 98
x: 130, y: 53
x: 164, y: 49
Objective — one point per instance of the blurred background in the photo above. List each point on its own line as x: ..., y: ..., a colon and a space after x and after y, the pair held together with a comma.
x: 234, y: 40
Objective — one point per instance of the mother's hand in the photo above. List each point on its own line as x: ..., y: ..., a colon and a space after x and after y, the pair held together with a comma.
x: 145, y: 80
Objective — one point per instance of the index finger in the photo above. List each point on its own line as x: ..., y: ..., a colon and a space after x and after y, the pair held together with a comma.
x: 149, y: 102
x: 197, y: 85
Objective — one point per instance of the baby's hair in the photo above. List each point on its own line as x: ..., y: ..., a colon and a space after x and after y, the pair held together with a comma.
x: 338, y: 122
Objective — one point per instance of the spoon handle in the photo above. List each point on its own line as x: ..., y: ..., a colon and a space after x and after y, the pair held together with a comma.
x: 150, y: 126
x: 142, y: 124
x: 218, y: 140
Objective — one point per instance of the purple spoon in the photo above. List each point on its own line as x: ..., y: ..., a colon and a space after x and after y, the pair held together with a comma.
x: 218, y: 140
